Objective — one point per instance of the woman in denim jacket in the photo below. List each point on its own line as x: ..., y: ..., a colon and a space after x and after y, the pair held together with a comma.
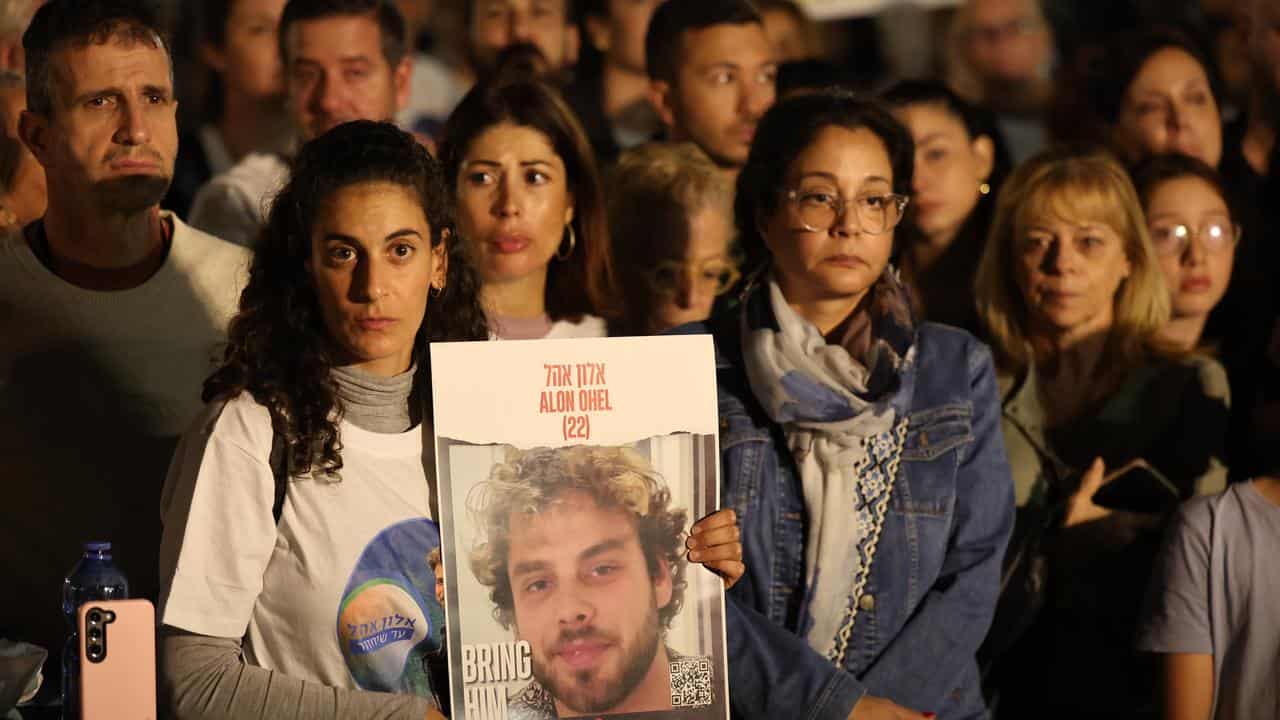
x: 862, y: 453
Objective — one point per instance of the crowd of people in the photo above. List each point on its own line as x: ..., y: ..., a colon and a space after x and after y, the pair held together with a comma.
x: 998, y: 361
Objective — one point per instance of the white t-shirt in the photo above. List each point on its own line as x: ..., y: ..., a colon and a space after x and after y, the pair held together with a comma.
x: 434, y: 91
x: 340, y: 592
x: 589, y: 326
x: 234, y: 205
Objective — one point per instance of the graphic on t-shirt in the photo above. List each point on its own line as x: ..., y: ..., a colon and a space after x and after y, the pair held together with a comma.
x: 389, y: 621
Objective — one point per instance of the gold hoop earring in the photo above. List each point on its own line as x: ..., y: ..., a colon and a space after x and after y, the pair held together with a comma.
x: 573, y: 243
x: 984, y: 189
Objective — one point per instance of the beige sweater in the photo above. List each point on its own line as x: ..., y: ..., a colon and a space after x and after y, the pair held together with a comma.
x: 95, y: 387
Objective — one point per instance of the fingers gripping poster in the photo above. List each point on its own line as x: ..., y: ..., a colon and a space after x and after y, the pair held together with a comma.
x: 569, y: 474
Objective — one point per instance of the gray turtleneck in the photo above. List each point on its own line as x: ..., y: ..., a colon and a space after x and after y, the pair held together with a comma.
x: 375, y: 403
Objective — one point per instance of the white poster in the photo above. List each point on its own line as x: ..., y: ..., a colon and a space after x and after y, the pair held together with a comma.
x: 569, y: 473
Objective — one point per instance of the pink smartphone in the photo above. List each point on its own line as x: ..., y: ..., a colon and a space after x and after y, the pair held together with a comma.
x: 117, y: 660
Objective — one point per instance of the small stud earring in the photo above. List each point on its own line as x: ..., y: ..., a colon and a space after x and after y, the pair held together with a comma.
x: 984, y: 189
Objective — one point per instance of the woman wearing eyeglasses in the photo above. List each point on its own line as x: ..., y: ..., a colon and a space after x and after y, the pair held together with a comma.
x: 1072, y: 295
x: 861, y: 451
x: 1194, y: 235
x: 671, y: 221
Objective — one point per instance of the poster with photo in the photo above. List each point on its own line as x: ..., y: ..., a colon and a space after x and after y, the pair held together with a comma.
x: 569, y: 473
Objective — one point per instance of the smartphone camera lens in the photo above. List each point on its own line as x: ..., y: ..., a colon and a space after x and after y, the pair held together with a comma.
x: 94, y: 616
x: 95, y: 634
x: 94, y: 652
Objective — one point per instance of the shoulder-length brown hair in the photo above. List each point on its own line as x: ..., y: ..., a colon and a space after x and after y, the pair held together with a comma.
x: 1076, y: 184
x: 583, y: 283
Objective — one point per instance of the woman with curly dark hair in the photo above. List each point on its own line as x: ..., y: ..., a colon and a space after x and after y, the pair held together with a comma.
x: 298, y: 510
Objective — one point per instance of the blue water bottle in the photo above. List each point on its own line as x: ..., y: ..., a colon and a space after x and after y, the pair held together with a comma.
x: 94, y: 577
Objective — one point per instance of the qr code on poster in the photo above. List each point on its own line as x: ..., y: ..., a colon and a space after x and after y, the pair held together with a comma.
x: 690, y: 682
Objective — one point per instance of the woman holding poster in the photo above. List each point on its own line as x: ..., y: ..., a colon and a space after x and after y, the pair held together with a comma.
x: 323, y: 605
x: 861, y: 451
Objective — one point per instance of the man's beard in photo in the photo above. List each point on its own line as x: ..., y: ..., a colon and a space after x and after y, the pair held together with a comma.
x: 585, y: 691
x: 131, y: 193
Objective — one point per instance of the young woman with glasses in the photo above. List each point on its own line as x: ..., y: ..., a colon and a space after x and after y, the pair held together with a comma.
x: 1194, y: 233
x: 861, y: 450
x: 671, y: 222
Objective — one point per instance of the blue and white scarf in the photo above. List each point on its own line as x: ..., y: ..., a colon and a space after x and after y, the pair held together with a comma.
x: 832, y: 401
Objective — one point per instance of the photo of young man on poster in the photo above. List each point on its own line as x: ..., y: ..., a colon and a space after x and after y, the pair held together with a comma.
x: 582, y: 555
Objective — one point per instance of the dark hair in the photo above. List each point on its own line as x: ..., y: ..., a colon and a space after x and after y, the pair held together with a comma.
x: 213, y: 19
x: 664, y: 40
x: 1125, y: 56
x: 279, y: 349
x: 809, y: 75
x: 593, y: 8
x: 12, y: 150
x: 944, y: 287
x: 391, y: 25
x: 516, y: 62
x: 978, y: 122
x: 1159, y: 169
x: 211, y: 28
x: 784, y: 132
x: 584, y: 282
x: 79, y: 23
x: 1091, y: 97
x: 788, y: 6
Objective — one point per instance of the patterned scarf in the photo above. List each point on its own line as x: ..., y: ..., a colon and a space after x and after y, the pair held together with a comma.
x: 832, y: 401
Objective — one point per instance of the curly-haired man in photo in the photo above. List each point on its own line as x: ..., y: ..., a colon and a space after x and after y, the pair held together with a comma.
x: 583, y: 557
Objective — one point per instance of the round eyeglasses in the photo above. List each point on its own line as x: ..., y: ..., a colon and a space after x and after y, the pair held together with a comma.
x: 715, y: 274
x: 819, y: 210
x: 1171, y: 239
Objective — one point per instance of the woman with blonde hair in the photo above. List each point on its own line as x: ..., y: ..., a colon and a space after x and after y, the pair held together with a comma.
x: 671, y: 220
x: 1073, y: 300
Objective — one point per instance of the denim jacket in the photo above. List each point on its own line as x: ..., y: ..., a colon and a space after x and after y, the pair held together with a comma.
x: 935, y: 577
